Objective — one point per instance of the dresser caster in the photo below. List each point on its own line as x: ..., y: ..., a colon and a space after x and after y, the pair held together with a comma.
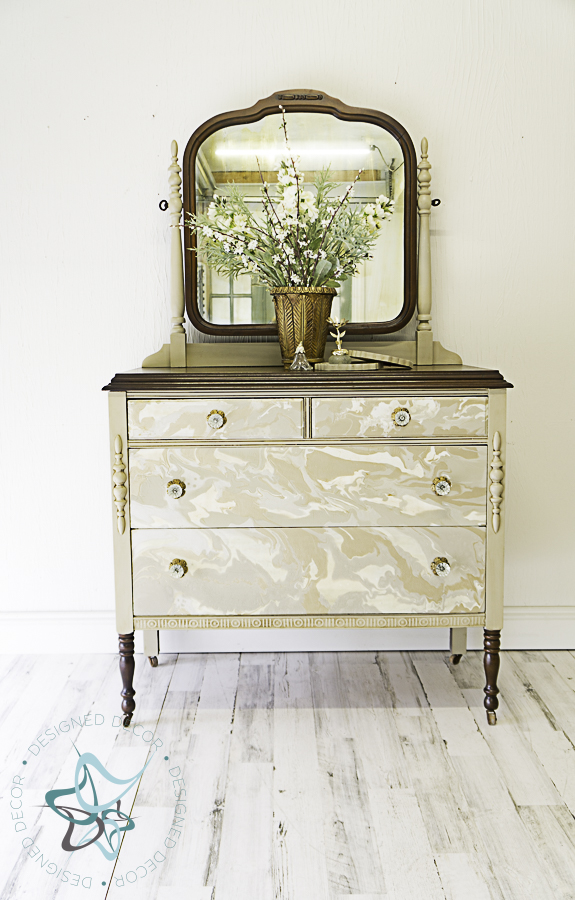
x: 455, y: 659
x: 127, y: 720
x: 153, y: 661
x: 491, y: 718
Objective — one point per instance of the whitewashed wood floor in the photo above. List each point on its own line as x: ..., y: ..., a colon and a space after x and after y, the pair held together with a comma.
x: 316, y: 776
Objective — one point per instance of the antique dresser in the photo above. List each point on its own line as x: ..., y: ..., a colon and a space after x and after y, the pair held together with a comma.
x: 248, y: 496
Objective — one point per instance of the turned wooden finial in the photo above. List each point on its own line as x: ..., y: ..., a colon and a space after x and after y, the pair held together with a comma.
x: 178, y: 346
x: 424, y: 182
x: 175, y: 181
x: 424, y: 330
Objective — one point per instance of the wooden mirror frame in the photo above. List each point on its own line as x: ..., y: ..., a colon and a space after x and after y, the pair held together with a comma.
x: 302, y: 101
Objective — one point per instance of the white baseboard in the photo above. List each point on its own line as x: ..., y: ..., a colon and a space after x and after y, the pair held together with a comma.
x: 93, y: 631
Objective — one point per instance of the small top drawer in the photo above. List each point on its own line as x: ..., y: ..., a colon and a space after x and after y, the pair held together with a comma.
x: 400, y: 417
x: 215, y: 419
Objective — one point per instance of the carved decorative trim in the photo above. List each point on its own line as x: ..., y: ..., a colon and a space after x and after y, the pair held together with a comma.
x: 120, y: 490
x: 424, y: 210
x: 258, y: 622
x: 177, y: 273
x: 496, y: 479
x: 300, y: 97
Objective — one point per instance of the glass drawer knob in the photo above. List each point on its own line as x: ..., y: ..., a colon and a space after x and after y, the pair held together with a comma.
x: 176, y: 489
x: 401, y: 416
x: 216, y: 419
x: 178, y: 568
x: 441, y: 486
x: 440, y: 566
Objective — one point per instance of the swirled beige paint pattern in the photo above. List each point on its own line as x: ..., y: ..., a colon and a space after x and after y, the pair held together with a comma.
x: 373, y: 417
x: 320, y: 486
x: 292, y: 571
x: 249, y: 419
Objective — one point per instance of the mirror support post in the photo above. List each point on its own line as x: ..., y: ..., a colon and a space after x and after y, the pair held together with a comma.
x: 178, y: 333
x: 424, y: 333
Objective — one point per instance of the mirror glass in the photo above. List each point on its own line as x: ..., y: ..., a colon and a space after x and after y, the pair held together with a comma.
x: 233, y: 154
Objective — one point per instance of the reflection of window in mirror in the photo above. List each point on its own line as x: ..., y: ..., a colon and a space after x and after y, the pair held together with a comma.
x: 246, y: 154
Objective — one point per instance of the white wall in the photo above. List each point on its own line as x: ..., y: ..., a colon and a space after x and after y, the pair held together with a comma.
x: 93, y: 93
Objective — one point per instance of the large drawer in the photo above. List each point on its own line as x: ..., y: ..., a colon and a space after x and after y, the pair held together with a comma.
x: 287, y: 571
x: 243, y: 419
x: 295, y: 485
x: 399, y: 417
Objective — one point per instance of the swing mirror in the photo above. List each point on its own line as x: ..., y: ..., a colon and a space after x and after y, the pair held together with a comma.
x: 244, y: 148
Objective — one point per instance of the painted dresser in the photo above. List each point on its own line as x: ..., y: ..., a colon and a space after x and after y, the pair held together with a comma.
x: 247, y: 496
x: 258, y: 498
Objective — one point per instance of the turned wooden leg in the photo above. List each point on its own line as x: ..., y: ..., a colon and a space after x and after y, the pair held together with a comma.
x: 491, y: 644
x: 127, y: 673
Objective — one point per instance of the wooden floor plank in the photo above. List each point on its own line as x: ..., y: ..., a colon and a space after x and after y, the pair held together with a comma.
x: 351, y: 848
x: 300, y: 868
x: 394, y: 808
x: 247, y: 827
x: 456, y: 723
x: 527, y: 781
x: 551, y: 686
x: 199, y: 744
x: 175, y: 720
x: 438, y: 791
x: 252, y: 738
x: 564, y: 662
x: 551, y: 753
x: 245, y: 869
x: 441, y: 779
x: 463, y: 876
x: 372, y: 720
x: 552, y: 830
x: 518, y: 866
x: 401, y: 686
x: 541, y: 731
x: 34, y: 700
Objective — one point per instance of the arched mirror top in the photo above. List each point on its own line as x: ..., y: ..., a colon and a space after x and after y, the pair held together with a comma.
x: 244, y: 148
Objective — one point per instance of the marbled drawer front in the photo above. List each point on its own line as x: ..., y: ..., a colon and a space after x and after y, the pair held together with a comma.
x: 187, y: 419
x: 373, y: 417
x: 319, y: 486
x: 293, y: 571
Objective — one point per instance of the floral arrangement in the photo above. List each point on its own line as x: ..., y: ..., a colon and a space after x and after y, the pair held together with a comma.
x: 303, y: 238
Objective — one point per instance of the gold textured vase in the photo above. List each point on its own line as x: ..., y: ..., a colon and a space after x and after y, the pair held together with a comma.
x: 302, y: 314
